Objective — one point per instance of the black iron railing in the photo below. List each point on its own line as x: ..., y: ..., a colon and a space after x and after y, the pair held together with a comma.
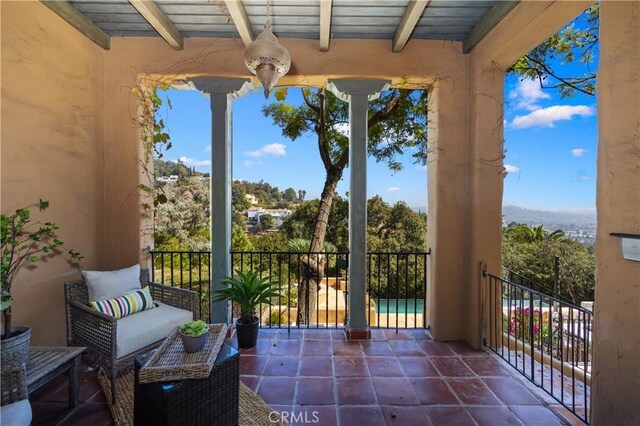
x: 326, y: 272
x: 546, y: 338
x: 397, y: 288
x: 396, y: 285
x: 517, y: 278
x: 182, y: 269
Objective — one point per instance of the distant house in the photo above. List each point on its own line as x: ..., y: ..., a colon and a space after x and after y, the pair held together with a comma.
x: 167, y: 179
x: 254, y: 213
x: 251, y: 198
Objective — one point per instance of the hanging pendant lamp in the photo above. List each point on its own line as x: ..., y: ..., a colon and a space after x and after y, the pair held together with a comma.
x: 266, y: 58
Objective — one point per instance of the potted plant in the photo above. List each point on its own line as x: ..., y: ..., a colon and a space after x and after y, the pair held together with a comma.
x: 23, y: 242
x: 249, y: 291
x: 194, y: 335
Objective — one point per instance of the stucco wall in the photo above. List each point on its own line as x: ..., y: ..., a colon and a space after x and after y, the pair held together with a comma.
x: 52, y: 133
x: 616, y: 363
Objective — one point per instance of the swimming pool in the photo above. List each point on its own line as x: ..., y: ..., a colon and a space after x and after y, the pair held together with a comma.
x: 399, y: 306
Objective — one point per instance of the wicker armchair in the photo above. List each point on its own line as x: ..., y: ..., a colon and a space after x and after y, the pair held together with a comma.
x: 99, y: 332
x: 16, y: 409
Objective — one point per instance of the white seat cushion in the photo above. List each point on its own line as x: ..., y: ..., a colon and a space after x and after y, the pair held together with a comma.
x: 144, y: 328
x: 16, y: 414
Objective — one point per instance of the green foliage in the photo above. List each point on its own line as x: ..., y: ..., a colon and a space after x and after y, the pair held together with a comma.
x: 525, y: 234
x: 194, y: 328
x: 534, y: 259
x: 183, y: 221
x: 25, y: 241
x: 249, y: 291
x: 390, y: 228
x: 277, y: 318
x: 177, y: 168
x: 266, y: 221
x: 571, y: 44
x: 239, y: 239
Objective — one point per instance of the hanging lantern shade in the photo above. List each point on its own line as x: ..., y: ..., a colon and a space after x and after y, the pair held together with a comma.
x: 267, y: 58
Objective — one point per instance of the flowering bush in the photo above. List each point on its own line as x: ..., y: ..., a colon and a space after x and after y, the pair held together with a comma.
x: 528, y: 325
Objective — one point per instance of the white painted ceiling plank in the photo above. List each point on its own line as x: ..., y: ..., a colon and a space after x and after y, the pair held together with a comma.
x: 159, y: 21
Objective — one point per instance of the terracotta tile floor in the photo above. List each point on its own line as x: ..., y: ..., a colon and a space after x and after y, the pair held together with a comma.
x: 317, y: 377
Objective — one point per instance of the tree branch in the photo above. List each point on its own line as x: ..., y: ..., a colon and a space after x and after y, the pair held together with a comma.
x: 561, y: 79
x: 310, y: 104
x: 388, y: 109
x: 321, y: 131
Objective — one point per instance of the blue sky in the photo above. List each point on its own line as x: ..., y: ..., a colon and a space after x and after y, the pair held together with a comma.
x: 550, y: 148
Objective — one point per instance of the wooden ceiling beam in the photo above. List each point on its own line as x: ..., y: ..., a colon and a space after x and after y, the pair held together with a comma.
x: 80, y: 22
x: 240, y: 20
x: 159, y: 21
x: 325, y: 24
x: 490, y: 20
x: 412, y: 15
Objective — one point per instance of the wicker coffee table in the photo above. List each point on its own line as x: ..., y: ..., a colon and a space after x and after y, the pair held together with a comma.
x: 210, y: 401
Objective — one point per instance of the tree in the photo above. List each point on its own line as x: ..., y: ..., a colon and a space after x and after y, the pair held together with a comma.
x: 397, y: 122
x: 266, y: 221
x: 526, y: 234
x: 535, y: 261
x: 576, y: 42
x: 289, y: 195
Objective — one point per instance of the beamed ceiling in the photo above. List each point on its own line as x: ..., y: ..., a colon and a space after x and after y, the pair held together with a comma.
x: 398, y: 21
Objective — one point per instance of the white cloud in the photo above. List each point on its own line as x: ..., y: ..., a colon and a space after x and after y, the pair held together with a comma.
x: 581, y: 177
x: 578, y: 152
x: 528, y: 93
x: 511, y: 169
x: 547, y: 116
x: 207, y: 148
x: 393, y: 190
x: 248, y: 163
x: 271, y: 150
x: 343, y: 128
x: 190, y: 162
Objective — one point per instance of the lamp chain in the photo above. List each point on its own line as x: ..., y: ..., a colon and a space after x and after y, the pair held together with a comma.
x: 267, y: 22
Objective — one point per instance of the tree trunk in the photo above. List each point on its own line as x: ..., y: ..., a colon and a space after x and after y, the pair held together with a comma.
x: 314, y: 264
x: 6, y: 316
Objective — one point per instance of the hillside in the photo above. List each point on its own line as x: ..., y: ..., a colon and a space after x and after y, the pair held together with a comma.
x: 549, y: 219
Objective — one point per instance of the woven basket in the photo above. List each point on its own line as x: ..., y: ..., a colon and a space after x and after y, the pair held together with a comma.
x: 15, y: 350
x: 170, y: 362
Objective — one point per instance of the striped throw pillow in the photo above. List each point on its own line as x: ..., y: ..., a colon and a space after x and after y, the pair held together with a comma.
x: 127, y: 304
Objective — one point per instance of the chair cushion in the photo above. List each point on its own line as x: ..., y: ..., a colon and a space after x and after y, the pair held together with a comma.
x: 127, y: 304
x: 104, y: 285
x: 144, y: 328
x: 16, y: 414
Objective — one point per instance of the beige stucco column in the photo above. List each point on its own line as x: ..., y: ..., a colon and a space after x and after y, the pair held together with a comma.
x: 465, y: 196
x: 446, y: 224
x: 485, y: 188
x: 616, y: 343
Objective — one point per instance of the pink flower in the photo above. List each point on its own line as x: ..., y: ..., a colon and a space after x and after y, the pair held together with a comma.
x: 536, y: 329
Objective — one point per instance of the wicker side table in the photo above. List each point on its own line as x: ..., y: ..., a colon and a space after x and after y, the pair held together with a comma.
x: 210, y: 401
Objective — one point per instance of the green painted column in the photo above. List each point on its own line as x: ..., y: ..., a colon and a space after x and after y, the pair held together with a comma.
x: 222, y: 91
x: 357, y: 92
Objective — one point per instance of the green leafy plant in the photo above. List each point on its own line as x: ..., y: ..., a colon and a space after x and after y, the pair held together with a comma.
x: 25, y: 241
x: 277, y: 318
x: 194, y: 328
x: 249, y: 291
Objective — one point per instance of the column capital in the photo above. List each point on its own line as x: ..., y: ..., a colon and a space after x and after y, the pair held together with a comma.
x: 343, y: 88
x: 236, y: 87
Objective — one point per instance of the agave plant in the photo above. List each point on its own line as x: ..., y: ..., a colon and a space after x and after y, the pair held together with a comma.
x: 248, y: 290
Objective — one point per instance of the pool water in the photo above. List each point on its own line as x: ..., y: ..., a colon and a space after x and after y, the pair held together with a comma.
x: 399, y: 306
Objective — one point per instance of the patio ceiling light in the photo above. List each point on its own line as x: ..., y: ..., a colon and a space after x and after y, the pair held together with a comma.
x: 267, y: 58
